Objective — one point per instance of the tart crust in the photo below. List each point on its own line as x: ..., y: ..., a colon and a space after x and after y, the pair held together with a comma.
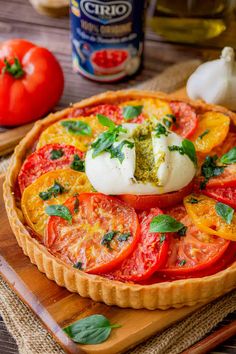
x: 164, y: 295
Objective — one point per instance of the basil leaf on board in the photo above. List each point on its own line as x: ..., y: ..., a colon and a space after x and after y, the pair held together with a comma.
x: 161, y: 130
x: 53, y: 191
x: 210, y: 169
x: 107, y: 122
x: 77, y: 127
x: 130, y: 112
x: 93, y: 329
x: 59, y: 210
x: 116, y: 151
x: 189, y: 150
x: 229, y: 157
x: 77, y: 164
x: 165, y: 223
x: 56, y: 154
x: 204, y: 133
x: 225, y: 212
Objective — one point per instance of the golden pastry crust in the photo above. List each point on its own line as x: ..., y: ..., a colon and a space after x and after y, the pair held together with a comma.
x: 160, y: 295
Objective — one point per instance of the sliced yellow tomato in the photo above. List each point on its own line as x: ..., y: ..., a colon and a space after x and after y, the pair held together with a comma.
x: 212, y: 129
x: 151, y: 107
x: 203, y: 214
x: 33, y: 206
x: 57, y: 133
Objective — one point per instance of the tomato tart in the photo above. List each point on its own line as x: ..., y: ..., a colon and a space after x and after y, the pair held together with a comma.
x: 129, y: 198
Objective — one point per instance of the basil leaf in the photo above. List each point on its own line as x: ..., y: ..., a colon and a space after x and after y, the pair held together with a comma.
x: 204, y: 133
x: 225, y: 212
x: 93, y: 329
x: 116, y: 152
x: 193, y: 200
x: 107, y: 122
x: 229, y: 157
x: 167, y: 123
x: 56, y: 154
x: 77, y: 164
x: 182, y: 262
x: 160, y: 130
x: 172, y: 117
x: 165, y: 223
x: 124, y: 237
x: 210, y: 169
x: 107, y: 238
x: 59, y: 210
x: 189, y: 150
x: 77, y: 127
x: 130, y: 112
x: 53, y: 191
x: 182, y: 232
x: 78, y: 265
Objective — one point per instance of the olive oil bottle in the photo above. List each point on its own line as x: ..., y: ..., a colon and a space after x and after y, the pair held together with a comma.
x: 188, y: 21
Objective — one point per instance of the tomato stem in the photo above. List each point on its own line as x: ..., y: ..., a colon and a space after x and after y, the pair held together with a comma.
x: 14, y: 69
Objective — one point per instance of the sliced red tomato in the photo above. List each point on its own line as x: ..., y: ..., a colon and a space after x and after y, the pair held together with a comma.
x: 103, y: 232
x: 225, y: 261
x: 226, y: 179
x: 193, y: 252
x: 149, y: 255
x: 109, y: 110
x: 167, y: 200
x: 50, y: 157
x: 226, y: 195
x: 186, y: 119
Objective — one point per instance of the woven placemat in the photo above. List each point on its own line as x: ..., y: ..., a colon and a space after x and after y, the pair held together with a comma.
x: 32, y: 337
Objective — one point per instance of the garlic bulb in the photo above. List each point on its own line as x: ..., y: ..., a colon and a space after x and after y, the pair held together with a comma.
x: 215, y: 81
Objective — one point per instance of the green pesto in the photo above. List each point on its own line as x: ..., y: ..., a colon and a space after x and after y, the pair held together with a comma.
x: 146, y: 168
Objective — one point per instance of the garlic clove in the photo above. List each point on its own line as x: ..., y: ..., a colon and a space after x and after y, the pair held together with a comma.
x: 215, y: 81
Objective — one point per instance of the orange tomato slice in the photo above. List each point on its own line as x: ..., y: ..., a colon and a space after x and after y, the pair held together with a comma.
x: 57, y: 133
x: 204, y: 216
x: 33, y: 206
x: 212, y: 129
x: 151, y: 107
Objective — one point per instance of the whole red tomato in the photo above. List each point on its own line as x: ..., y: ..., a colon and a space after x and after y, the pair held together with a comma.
x: 31, y: 82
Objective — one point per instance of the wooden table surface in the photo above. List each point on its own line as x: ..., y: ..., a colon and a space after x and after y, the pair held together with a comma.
x: 19, y: 20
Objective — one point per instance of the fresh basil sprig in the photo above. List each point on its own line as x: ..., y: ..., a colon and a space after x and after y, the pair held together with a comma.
x: 77, y: 127
x: 229, y: 157
x: 53, y: 191
x: 56, y: 154
x: 93, y: 329
x: 225, y: 212
x: 187, y: 148
x: 59, y: 210
x: 210, y: 169
x: 130, y: 112
x: 165, y: 223
x: 77, y: 164
x: 106, y: 140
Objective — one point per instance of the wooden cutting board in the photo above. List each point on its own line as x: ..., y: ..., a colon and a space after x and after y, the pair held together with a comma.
x: 57, y: 307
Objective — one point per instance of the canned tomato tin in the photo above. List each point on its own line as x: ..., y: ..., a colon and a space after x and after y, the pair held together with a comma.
x: 107, y: 37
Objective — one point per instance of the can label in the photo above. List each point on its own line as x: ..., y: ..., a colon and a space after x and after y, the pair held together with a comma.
x: 107, y: 37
